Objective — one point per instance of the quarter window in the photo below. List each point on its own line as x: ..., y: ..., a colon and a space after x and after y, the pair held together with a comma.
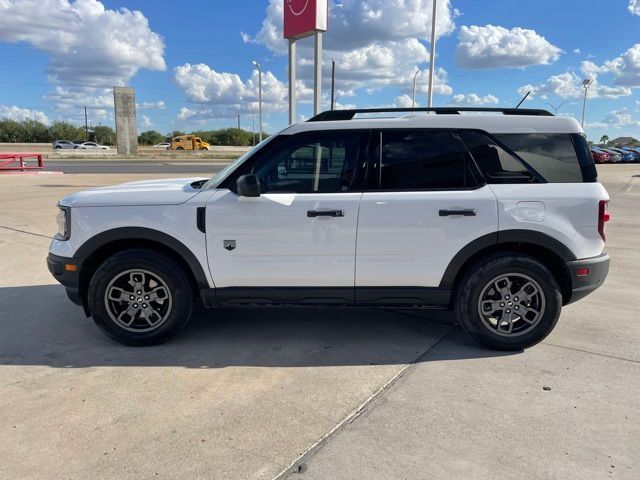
x: 423, y: 160
x: 496, y: 164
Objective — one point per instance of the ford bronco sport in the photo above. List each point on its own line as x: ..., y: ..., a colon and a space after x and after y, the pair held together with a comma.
x: 495, y: 214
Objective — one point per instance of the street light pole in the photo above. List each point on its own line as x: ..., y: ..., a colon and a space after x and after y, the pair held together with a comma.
x: 586, y: 83
x: 432, y: 60
x: 415, y: 75
x: 257, y: 65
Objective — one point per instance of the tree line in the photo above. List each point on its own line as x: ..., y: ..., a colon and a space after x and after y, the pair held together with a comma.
x: 31, y: 131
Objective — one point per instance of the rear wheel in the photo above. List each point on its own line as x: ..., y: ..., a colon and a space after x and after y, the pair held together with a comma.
x: 140, y: 297
x: 180, y: 148
x: 509, y: 302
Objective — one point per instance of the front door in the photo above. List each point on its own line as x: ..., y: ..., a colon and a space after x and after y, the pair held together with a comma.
x: 299, y: 236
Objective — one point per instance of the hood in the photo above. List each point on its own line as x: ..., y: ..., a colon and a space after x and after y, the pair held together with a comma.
x: 167, y: 191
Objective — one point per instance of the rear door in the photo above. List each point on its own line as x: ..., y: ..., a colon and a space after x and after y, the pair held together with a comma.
x: 424, y: 202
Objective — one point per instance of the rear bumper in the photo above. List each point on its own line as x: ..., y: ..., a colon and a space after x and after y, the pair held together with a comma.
x: 582, y: 286
x: 70, y: 280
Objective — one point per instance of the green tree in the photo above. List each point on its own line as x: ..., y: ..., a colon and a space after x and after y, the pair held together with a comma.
x: 150, y: 137
x: 604, y: 139
x: 11, y: 131
x: 104, y: 135
x: 175, y: 133
x: 66, y: 131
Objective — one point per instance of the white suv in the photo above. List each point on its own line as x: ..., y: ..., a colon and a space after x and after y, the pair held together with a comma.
x: 496, y: 215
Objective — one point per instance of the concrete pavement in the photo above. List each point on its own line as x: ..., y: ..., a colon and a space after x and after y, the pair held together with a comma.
x: 253, y: 393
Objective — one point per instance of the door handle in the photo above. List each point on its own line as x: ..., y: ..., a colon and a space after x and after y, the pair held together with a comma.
x: 325, y: 213
x: 468, y: 212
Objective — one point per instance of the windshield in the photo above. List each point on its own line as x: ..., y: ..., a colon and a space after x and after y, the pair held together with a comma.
x: 217, y: 179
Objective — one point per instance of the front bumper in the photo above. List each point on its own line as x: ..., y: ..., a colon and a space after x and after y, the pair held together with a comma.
x: 70, y: 279
x: 583, y: 285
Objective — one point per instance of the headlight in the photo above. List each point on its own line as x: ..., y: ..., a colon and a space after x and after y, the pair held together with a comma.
x: 64, y: 223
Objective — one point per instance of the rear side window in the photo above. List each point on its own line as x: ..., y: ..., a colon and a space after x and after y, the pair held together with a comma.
x: 553, y: 155
x: 423, y: 160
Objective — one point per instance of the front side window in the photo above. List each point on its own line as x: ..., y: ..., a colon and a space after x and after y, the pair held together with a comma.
x: 313, y: 162
x: 423, y: 160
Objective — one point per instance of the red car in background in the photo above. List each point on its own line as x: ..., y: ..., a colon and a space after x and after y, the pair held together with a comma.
x: 600, y: 156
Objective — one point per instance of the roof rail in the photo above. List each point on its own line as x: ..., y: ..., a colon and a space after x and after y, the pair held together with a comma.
x: 349, y: 114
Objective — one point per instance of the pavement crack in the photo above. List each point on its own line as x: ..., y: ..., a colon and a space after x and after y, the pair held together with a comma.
x: 592, y: 353
x: 25, y: 231
x: 350, y: 418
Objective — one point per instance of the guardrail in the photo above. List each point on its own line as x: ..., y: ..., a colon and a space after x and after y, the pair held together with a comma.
x: 11, y: 162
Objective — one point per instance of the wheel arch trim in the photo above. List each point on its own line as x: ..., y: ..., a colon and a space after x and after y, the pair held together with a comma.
x: 488, y: 242
x: 93, y: 244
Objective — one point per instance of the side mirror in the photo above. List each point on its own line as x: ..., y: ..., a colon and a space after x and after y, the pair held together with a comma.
x: 248, y: 185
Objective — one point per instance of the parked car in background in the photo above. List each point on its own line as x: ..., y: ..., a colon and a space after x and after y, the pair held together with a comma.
x: 91, y: 146
x: 600, y: 156
x: 635, y: 151
x: 164, y: 145
x: 614, y: 156
x: 60, y: 144
x: 626, y: 156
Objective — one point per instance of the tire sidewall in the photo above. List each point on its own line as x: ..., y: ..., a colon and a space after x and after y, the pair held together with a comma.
x: 158, y: 264
x: 475, y: 281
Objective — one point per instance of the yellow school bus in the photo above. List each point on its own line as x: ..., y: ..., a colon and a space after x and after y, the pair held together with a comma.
x: 188, y: 142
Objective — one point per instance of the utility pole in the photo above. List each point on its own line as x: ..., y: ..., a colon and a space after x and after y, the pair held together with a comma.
x: 86, y: 125
x: 432, y: 60
x: 333, y: 81
x: 238, y: 121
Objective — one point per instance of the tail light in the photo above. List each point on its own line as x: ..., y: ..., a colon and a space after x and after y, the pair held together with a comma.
x: 603, y: 217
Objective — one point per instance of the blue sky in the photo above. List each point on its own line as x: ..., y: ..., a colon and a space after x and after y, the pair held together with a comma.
x: 191, y: 66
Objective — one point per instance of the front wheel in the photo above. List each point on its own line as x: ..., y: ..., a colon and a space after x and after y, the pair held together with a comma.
x: 508, y: 302
x: 140, y: 297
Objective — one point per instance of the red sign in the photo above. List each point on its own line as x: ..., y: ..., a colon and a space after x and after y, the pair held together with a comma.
x: 304, y: 17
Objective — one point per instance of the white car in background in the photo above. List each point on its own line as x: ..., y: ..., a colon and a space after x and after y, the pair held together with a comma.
x: 91, y: 146
x: 163, y: 145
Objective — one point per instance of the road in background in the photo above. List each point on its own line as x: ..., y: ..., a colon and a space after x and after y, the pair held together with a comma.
x: 136, y: 166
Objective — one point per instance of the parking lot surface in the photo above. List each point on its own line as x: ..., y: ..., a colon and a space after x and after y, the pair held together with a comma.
x: 324, y: 393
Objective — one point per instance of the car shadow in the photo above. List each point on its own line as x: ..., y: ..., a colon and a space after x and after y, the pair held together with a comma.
x: 40, y: 326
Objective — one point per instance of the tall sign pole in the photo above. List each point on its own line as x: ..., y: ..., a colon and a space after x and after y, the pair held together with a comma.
x: 303, y: 18
x: 292, y: 81
x: 317, y: 77
x: 432, y: 60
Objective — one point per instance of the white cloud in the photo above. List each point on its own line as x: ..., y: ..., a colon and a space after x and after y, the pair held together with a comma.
x: 577, y: 51
x: 367, y: 51
x: 146, y: 122
x: 634, y: 7
x: 159, y: 105
x: 569, y: 85
x: 19, y: 114
x: 625, y: 68
x: 495, y: 47
x: 89, y: 45
x: 473, y: 99
x: 620, y: 118
x: 405, y: 101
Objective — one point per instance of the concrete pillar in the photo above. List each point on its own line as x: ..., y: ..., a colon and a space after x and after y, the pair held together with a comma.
x: 124, y: 100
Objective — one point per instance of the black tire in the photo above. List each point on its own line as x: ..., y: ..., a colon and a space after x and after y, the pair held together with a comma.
x: 156, y: 264
x: 478, y: 279
x: 180, y: 148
